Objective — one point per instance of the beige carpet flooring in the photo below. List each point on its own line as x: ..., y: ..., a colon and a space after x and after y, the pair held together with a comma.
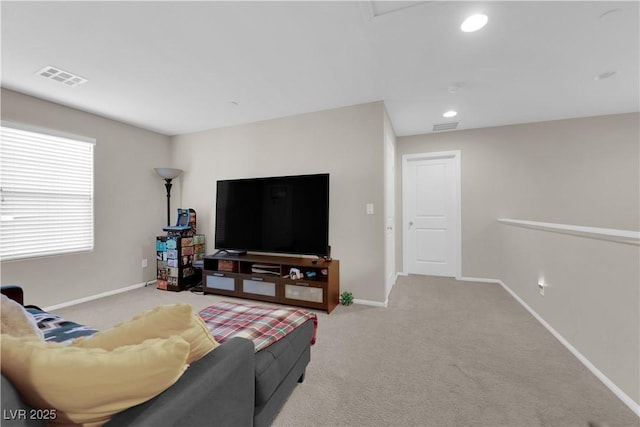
x: 444, y: 353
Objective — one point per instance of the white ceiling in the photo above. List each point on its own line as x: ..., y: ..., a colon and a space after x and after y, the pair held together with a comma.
x: 179, y: 67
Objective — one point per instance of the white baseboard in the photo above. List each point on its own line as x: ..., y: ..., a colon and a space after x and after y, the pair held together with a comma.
x: 97, y: 296
x: 384, y: 304
x: 634, y: 406
x: 368, y: 302
x: 478, y: 279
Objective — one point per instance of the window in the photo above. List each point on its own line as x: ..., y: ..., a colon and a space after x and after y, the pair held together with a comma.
x: 46, y: 193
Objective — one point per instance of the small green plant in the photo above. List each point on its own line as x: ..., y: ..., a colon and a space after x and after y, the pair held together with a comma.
x: 346, y: 298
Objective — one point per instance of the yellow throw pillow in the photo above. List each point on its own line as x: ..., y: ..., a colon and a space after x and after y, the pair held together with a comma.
x: 160, y: 322
x: 87, y: 386
x: 16, y: 321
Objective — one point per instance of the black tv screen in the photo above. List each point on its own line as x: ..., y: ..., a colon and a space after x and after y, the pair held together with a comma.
x: 286, y: 214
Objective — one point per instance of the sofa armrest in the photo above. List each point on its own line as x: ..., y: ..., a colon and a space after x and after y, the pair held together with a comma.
x: 13, y: 292
x: 216, y: 390
x: 16, y: 413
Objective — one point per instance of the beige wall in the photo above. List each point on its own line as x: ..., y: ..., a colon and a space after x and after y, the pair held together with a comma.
x: 346, y: 142
x: 580, y: 172
x: 129, y: 207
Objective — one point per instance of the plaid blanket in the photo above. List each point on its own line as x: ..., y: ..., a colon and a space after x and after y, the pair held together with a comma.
x: 263, y: 325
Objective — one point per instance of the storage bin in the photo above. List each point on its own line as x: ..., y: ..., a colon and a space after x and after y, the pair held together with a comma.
x: 226, y: 265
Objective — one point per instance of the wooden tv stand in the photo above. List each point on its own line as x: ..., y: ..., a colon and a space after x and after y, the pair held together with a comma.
x: 266, y: 278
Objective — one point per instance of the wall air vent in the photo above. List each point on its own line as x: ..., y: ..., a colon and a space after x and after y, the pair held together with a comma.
x: 445, y: 126
x: 61, y: 76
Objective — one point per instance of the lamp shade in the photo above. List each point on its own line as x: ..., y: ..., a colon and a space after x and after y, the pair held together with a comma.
x: 168, y: 173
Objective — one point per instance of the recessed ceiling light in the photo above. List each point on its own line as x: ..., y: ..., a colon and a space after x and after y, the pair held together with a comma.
x: 474, y: 23
x: 604, y: 75
x: 450, y: 113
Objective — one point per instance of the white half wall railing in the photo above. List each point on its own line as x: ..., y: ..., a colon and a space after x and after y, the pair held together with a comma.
x: 605, y: 234
x: 610, y: 234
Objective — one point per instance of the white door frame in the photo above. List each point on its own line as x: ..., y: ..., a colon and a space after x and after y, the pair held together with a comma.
x: 389, y: 215
x: 455, y: 155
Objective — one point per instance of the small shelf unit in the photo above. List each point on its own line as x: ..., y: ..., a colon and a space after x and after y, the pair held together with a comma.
x: 267, y: 278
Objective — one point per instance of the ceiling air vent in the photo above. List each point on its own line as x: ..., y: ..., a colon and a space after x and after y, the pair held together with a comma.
x: 61, y: 76
x: 445, y: 126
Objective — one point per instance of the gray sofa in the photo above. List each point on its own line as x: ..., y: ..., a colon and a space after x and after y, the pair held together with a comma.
x: 230, y: 386
x: 216, y: 390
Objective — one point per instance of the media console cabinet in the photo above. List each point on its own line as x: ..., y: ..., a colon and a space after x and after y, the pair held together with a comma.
x: 267, y: 278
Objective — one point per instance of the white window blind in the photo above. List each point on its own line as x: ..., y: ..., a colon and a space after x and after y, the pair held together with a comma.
x: 46, y: 193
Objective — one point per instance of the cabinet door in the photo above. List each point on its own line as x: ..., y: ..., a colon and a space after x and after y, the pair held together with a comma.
x: 259, y: 287
x: 218, y: 282
x: 305, y: 293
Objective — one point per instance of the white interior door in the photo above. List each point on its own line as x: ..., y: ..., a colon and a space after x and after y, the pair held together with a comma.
x: 431, y: 213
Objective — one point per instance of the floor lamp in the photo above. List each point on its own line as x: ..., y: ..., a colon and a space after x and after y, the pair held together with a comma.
x: 168, y: 174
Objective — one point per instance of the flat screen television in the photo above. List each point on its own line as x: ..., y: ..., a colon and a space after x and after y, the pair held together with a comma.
x: 285, y: 214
